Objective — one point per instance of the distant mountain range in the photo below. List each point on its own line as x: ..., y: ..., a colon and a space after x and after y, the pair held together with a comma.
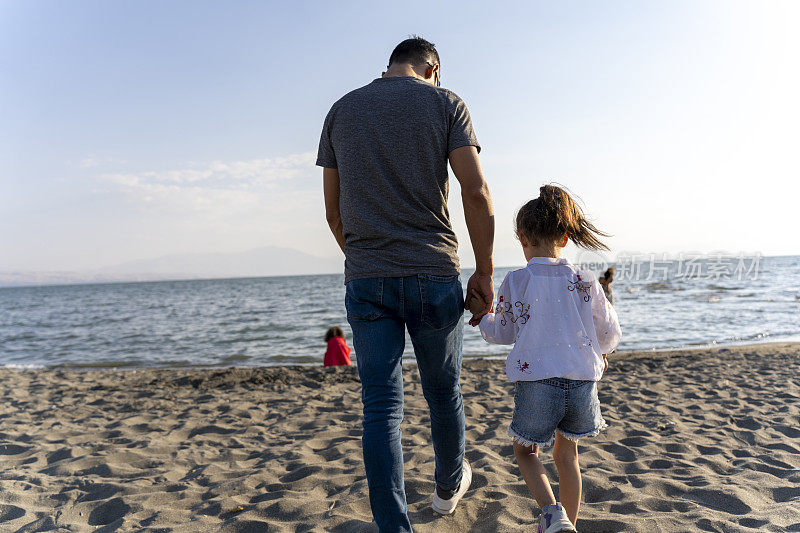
x: 266, y: 261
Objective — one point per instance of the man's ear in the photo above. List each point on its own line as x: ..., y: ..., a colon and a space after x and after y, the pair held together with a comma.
x: 431, y: 71
x: 522, y: 240
x: 564, y: 240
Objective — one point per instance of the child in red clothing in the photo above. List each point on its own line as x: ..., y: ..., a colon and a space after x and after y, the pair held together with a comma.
x: 338, y: 351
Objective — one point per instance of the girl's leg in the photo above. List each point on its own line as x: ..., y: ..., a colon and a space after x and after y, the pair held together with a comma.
x: 534, y: 474
x: 565, y: 455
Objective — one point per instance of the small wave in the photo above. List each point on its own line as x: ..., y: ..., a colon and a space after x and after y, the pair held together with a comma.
x: 23, y: 337
x: 662, y: 286
x: 22, y: 366
x: 235, y: 358
x: 99, y: 364
x: 706, y: 297
x: 235, y: 340
x: 263, y: 328
x: 715, y: 287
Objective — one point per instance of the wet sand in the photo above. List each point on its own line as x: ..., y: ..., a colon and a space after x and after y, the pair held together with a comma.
x: 699, y: 440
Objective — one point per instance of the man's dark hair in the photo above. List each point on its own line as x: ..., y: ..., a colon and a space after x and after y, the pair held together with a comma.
x: 415, y: 50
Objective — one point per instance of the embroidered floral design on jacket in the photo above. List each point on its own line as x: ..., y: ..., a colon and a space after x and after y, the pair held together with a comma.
x: 523, y: 367
x: 506, y: 312
x: 580, y: 286
x: 524, y: 314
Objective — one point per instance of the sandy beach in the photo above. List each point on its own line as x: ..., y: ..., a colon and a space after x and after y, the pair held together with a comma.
x: 699, y: 440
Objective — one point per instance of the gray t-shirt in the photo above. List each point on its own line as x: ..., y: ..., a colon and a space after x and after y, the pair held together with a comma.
x: 390, y: 142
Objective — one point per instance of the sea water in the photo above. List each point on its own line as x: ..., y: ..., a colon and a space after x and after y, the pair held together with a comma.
x: 282, y: 320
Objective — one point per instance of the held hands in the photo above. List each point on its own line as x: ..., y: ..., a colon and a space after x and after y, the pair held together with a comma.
x: 605, y: 363
x: 476, y: 305
x: 484, y: 286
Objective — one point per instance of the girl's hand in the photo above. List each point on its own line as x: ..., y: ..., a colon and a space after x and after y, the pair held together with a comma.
x: 475, y: 303
x: 605, y: 363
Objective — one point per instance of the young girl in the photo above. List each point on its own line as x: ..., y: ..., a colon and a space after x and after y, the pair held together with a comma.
x: 338, y: 352
x: 562, y: 327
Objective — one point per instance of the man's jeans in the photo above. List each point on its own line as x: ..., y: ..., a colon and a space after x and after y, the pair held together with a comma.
x: 379, y: 310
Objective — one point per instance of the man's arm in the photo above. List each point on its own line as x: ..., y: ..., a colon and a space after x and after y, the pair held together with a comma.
x: 479, y: 214
x: 330, y: 183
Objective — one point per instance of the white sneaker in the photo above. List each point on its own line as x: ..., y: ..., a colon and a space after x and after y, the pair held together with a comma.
x: 554, y: 520
x: 442, y: 506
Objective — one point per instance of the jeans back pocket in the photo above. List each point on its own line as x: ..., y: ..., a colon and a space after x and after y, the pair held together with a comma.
x: 364, y: 299
x: 442, y: 300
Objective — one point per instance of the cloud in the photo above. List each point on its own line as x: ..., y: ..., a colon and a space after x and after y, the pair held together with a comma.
x: 269, y: 199
x: 221, y: 186
x: 218, y: 175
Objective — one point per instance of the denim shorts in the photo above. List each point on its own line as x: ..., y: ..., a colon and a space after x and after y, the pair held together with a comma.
x: 555, y: 404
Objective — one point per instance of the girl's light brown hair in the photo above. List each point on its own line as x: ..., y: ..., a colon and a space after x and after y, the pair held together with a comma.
x: 553, y: 214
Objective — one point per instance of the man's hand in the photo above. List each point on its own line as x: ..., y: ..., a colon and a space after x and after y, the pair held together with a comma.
x: 605, y: 363
x: 483, y: 285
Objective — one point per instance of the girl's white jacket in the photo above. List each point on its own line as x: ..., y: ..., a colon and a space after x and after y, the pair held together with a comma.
x: 558, y: 320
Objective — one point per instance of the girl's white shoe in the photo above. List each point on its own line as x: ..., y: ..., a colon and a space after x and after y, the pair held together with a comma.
x: 554, y: 520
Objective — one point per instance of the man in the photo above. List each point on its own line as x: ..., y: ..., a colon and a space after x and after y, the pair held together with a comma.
x: 384, y: 149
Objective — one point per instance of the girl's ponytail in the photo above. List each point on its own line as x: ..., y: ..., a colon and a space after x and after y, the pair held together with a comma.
x: 555, y: 213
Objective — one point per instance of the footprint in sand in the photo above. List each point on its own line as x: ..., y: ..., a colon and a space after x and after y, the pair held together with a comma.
x: 108, y: 512
x: 719, y: 501
x: 10, y: 512
x: 13, y: 449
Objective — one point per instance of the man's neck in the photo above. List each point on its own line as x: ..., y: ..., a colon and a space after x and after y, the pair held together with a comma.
x: 400, y: 71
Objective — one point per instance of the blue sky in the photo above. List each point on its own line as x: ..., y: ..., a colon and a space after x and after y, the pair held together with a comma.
x: 136, y: 129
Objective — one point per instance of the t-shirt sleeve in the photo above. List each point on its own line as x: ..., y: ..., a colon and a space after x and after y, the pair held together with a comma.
x: 461, y: 132
x: 326, y: 157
